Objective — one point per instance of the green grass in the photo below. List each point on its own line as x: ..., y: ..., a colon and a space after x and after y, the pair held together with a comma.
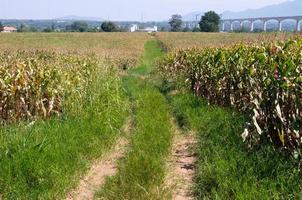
x: 226, y: 169
x: 44, y: 160
x: 142, y: 172
x: 152, y: 52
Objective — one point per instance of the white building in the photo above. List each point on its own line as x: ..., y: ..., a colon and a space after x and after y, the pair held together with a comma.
x: 133, y: 28
x: 151, y: 29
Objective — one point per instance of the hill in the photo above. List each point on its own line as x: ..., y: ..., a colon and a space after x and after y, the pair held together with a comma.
x: 192, y: 16
x: 289, y: 8
x: 79, y: 18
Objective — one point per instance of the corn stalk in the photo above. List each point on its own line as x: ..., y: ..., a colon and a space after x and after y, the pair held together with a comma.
x: 263, y: 81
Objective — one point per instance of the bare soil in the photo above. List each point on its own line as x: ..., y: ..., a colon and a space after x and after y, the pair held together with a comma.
x: 102, y: 168
x: 182, y: 164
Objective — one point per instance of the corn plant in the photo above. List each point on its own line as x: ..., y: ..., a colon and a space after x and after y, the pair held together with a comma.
x: 36, y: 83
x: 263, y: 81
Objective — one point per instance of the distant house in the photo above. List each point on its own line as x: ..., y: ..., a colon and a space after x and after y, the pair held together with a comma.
x: 150, y: 29
x: 135, y: 28
x: 8, y: 29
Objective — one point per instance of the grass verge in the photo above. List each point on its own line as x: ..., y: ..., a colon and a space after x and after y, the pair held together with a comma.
x: 46, y: 159
x: 226, y: 170
x: 141, y: 173
x: 153, y: 51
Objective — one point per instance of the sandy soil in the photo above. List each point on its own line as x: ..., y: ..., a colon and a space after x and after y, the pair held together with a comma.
x: 182, y: 165
x: 101, y: 169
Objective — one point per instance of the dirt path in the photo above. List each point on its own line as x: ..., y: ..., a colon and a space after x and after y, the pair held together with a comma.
x: 182, y: 164
x: 101, y: 169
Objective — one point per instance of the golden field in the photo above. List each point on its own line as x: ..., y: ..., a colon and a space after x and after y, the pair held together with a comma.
x: 115, y: 46
x: 178, y: 40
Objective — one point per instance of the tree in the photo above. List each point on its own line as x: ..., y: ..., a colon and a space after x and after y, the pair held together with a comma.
x: 1, y: 26
x: 109, y: 27
x: 176, y: 23
x: 48, y: 30
x: 22, y: 28
x: 78, y: 26
x: 33, y: 29
x: 209, y: 22
x: 163, y: 29
x: 53, y: 27
x: 93, y: 29
x: 186, y: 29
x: 196, y: 29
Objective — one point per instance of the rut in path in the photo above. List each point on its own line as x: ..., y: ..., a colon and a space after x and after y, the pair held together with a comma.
x: 182, y: 164
x: 103, y: 168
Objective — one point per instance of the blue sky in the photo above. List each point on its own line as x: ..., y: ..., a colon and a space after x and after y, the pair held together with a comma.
x: 120, y: 9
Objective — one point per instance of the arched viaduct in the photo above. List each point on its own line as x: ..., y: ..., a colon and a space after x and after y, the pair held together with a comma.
x: 265, y: 20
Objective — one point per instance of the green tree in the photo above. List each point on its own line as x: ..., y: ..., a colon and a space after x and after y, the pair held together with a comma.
x: 93, y: 29
x: 1, y: 26
x: 196, y: 29
x: 53, y: 27
x: 48, y: 30
x: 186, y: 29
x: 79, y: 26
x: 209, y: 22
x: 176, y: 23
x: 22, y: 28
x: 109, y: 27
x: 33, y: 29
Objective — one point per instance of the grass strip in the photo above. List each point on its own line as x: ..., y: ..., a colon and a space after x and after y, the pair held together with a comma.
x: 153, y: 52
x: 226, y: 169
x: 142, y: 172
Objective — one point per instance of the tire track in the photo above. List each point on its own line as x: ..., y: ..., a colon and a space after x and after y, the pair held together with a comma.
x: 103, y: 168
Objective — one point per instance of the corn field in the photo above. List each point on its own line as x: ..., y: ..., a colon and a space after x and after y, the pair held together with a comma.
x: 262, y: 81
x: 36, y: 83
x: 175, y: 41
x: 113, y: 47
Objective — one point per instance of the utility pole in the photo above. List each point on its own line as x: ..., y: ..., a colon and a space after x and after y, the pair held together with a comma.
x: 142, y: 18
x: 196, y: 18
x: 222, y: 24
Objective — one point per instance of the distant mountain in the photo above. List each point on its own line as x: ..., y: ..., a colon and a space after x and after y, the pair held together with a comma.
x: 72, y: 17
x: 192, y: 16
x: 289, y: 8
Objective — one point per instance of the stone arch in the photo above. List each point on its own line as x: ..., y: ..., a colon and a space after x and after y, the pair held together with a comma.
x: 233, y: 23
x: 244, y: 22
x: 268, y: 24
x: 226, y: 25
x: 223, y: 25
x: 281, y: 28
x: 255, y: 24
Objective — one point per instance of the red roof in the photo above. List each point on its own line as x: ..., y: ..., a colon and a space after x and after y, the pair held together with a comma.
x: 9, y: 28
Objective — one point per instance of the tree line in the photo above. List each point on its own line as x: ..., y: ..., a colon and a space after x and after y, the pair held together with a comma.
x: 80, y: 26
x: 208, y: 23
x: 76, y: 26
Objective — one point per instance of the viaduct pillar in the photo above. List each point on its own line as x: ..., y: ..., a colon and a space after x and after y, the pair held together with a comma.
x: 280, y: 26
x: 299, y: 25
